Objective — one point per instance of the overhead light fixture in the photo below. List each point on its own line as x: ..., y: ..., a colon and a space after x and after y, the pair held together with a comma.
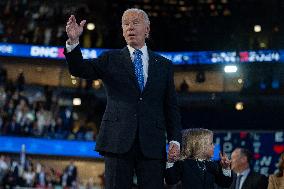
x: 240, y: 81
x: 257, y: 28
x: 74, y: 82
x: 239, y: 106
x: 91, y: 26
x: 230, y: 69
x: 76, y: 101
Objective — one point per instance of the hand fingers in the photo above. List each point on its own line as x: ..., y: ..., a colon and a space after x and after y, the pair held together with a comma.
x: 82, y: 23
x: 172, y: 157
x: 71, y: 21
x: 221, y: 155
x: 73, y: 18
x: 174, y: 152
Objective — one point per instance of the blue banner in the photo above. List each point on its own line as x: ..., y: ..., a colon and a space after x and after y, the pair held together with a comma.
x: 178, y: 58
x: 48, y: 147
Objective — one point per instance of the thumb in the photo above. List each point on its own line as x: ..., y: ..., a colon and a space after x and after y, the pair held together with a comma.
x: 221, y: 155
x: 171, y: 146
x: 82, y: 23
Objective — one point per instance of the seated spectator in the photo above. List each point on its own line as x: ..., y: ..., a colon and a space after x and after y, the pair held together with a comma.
x: 3, y: 168
x: 29, y: 177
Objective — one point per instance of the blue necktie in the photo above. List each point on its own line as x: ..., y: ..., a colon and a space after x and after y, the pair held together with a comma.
x: 238, y: 181
x: 139, y: 68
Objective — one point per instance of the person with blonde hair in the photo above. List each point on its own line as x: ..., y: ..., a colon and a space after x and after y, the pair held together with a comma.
x: 195, y: 169
x: 276, y: 181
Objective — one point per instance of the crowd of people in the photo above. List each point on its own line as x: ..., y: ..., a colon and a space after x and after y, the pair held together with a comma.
x: 38, y: 114
x: 42, y: 22
x: 31, y: 174
x: 36, y: 22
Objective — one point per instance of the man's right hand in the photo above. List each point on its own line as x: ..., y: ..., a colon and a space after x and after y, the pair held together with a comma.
x: 74, y: 30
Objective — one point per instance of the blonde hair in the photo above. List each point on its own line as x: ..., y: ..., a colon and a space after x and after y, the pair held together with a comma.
x: 281, y: 166
x: 195, y: 143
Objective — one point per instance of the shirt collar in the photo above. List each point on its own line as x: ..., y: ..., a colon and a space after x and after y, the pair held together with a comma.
x: 244, y: 173
x: 143, y: 49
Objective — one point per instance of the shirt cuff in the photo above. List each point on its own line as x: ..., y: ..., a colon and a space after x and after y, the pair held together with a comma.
x: 175, y: 142
x: 69, y: 48
x: 169, y: 165
x: 226, y: 172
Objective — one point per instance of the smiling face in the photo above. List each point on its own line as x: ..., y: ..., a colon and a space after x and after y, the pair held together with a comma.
x: 239, y: 161
x: 135, y: 28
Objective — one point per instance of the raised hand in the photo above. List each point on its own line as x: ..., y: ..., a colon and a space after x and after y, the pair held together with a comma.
x: 174, y: 152
x: 74, y: 30
x: 225, y: 162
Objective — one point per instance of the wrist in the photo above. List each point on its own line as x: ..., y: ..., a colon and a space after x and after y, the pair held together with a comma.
x: 72, y: 41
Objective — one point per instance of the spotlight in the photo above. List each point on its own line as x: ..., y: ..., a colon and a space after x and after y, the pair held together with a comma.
x: 76, y: 101
x: 257, y: 28
x: 91, y: 26
x: 230, y: 69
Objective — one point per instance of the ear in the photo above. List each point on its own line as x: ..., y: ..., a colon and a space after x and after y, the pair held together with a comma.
x: 147, y: 31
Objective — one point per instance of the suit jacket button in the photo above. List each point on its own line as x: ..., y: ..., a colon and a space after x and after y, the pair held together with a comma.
x: 140, y: 98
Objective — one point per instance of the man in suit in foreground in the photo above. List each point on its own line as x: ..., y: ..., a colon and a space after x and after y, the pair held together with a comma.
x: 245, y: 178
x: 141, y: 104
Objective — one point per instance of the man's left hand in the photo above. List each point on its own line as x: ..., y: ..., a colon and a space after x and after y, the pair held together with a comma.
x: 174, y: 152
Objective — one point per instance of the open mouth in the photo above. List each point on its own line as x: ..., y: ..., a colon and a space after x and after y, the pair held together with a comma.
x: 131, y: 35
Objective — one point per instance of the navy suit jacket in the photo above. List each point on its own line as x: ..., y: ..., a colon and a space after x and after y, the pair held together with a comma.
x: 254, y: 180
x: 130, y: 113
x: 192, y: 176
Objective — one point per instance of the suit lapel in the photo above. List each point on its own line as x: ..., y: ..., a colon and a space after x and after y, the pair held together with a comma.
x: 247, y: 182
x: 128, y: 65
x: 151, y: 70
x: 233, y: 185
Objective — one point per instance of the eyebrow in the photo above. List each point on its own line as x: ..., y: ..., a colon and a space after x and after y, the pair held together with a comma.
x: 136, y: 19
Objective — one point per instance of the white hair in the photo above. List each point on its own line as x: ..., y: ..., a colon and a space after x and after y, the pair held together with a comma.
x: 139, y: 11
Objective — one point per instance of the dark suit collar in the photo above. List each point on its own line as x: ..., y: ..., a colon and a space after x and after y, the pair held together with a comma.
x: 247, y: 180
x: 126, y: 59
x: 152, y: 69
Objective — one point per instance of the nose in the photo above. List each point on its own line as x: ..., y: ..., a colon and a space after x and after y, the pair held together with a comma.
x: 131, y: 26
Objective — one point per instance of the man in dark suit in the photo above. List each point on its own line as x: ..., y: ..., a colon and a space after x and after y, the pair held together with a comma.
x: 71, y: 171
x: 141, y: 104
x: 245, y: 178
